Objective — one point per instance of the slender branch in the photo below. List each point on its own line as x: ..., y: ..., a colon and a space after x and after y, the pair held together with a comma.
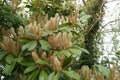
x: 84, y: 2
x: 108, y: 24
x: 98, y: 19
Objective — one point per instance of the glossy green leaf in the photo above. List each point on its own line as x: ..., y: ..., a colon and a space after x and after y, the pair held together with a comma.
x: 24, y: 40
x: 29, y: 69
x: 67, y: 29
x: 72, y: 74
x: 45, y: 45
x: 84, y: 50
x: 51, y: 76
x: 64, y: 25
x: 43, y: 75
x: 27, y: 63
x: 10, y: 59
x: 33, y: 75
x: 103, y: 70
x: 41, y: 61
x: 76, y: 52
x: 56, y: 76
x: 29, y: 46
x: 2, y: 54
x: 67, y: 61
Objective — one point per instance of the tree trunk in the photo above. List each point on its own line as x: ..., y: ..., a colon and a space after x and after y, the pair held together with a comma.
x: 93, y: 8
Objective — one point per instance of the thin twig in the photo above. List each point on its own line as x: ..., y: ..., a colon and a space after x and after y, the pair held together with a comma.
x: 108, y: 24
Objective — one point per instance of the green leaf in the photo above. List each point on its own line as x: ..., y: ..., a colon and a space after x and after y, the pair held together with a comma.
x: 103, y: 70
x: 8, y: 68
x: 47, y: 33
x: 29, y: 69
x: 58, y: 53
x: 19, y: 59
x: 84, y: 50
x: 24, y: 40
x: 27, y: 63
x: 67, y: 29
x: 66, y: 53
x: 51, y: 76
x: 2, y: 54
x: 118, y: 52
x: 67, y: 61
x: 64, y: 25
x: 43, y: 75
x: 62, y: 52
x: 76, y: 52
x: 80, y: 25
x: 72, y: 74
x: 31, y: 33
x: 10, y: 59
x: 41, y: 61
x: 45, y: 45
x: 56, y: 76
x: 84, y: 17
x: 29, y: 46
x: 33, y: 75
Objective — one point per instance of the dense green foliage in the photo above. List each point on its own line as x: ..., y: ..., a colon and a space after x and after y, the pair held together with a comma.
x: 9, y: 19
x: 95, y: 9
x: 53, y: 43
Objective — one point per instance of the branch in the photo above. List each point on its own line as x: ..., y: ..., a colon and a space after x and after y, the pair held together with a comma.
x: 108, y: 24
x: 98, y: 19
x: 84, y: 2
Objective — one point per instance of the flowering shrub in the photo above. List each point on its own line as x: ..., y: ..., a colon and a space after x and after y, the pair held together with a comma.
x: 41, y: 52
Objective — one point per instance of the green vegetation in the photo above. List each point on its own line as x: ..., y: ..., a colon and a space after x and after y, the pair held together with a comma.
x: 56, y: 41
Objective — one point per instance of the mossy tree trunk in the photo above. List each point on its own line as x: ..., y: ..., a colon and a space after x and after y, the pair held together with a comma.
x: 93, y: 8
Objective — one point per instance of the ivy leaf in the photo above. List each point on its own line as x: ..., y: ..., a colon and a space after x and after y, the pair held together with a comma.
x: 45, y: 45
x: 29, y: 46
x: 2, y: 54
x: 43, y: 75
x: 72, y: 74
x: 40, y: 61
x: 29, y: 69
